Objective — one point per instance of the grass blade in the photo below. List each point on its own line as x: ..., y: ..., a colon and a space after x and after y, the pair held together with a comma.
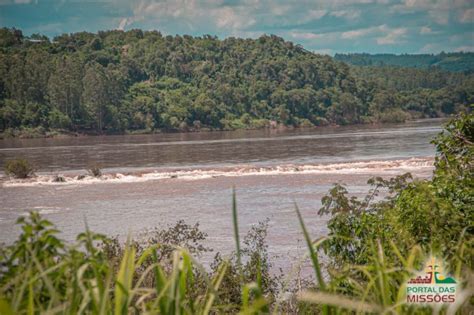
x: 339, y: 301
x: 124, y: 280
x: 313, y: 255
x: 215, y: 287
x: 236, y: 232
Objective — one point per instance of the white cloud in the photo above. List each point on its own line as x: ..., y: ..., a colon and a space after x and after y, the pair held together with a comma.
x: 124, y: 23
x: 429, y: 49
x: 359, y: 33
x: 426, y: 30
x: 241, y: 15
x: 315, y: 14
x: 386, y: 35
x: 293, y: 20
x: 227, y: 17
x: 306, y: 35
x: 383, y: 34
x: 393, y: 36
x: 440, y: 11
x: 10, y: 2
x: 192, y: 13
x: 462, y: 38
x: 321, y: 38
x: 467, y: 16
x: 440, y: 17
x: 280, y: 9
x: 347, y: 14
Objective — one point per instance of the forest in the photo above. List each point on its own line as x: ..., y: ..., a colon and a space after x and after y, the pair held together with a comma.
x: 458, y: 61
x: 143, y: 81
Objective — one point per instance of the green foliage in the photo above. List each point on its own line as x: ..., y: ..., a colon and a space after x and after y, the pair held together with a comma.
x: 454, y: 163
x: 394, y: 116
x: 157, y: 275
x: 58, y: 120
x: 19, y: 168
x: 137, y: 81
x: 415, y: 217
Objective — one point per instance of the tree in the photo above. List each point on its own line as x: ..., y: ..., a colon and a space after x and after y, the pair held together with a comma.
x: 65, y: 87
x: 115, y: 80
x: 95, y: 96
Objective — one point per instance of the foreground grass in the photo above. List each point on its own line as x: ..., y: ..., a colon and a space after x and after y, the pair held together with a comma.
x: 41, y: 274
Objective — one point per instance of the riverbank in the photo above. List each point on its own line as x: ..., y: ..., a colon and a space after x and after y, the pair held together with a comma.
x: 37, y: 133
x: 40, y: 132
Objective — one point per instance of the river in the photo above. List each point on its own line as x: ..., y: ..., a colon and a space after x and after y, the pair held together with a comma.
x: 154, y: 180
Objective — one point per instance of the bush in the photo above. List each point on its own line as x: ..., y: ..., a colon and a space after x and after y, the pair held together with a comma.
x: 56, y: 119
x: 432, y: 214
x: 235, y: 124
x: 95, y: 171
x: 59, y: 179
x: 260, y: 123
x: 19, y: 168
x: 123, y: 276
x: 305, y: 123
x: 393, y: 116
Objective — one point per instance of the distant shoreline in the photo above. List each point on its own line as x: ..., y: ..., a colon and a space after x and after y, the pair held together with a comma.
x: 39, y: 133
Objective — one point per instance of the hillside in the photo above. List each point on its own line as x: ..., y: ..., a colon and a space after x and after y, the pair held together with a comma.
x: 130, y: 81
x: 457, y: 62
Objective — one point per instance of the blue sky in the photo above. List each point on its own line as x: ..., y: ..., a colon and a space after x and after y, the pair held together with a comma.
x: 323, y: 26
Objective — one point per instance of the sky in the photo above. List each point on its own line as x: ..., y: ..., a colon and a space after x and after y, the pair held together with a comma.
x: 322, y: 26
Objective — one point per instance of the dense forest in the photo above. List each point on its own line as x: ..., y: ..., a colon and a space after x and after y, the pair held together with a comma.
x: 143, y: 81
x: 458, y: 62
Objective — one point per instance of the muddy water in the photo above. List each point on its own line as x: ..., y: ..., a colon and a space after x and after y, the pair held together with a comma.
x: 155, y: 180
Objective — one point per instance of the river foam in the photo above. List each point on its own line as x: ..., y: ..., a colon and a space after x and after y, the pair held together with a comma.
x: 381, y: 167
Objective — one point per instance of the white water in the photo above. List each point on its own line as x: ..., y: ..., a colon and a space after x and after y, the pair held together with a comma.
x: 386, y: 167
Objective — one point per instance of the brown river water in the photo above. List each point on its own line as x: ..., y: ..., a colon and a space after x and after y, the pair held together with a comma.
x: 154, y: 180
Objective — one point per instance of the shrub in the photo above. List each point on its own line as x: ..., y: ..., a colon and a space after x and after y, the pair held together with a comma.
x: 19, y: 168
x: 246, y: 119
x: 56, y: 119
x: 305, y: 123
x: 432, y: 214
x: 95, y: 171
x: 260, y: 123
x: 393, y: 116
x: 235, y: 124
x: 320, y: 121
x: 59, y: 179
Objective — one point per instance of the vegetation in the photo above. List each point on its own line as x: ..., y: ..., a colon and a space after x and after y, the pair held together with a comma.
x: 457, y: 62
x: 374, y: 245
x: 19, y: 168
x: 143, y: 81
x: 95, y: 171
